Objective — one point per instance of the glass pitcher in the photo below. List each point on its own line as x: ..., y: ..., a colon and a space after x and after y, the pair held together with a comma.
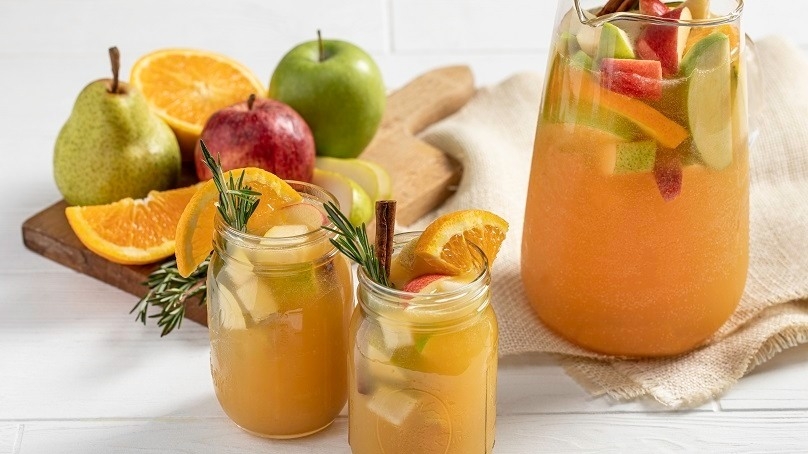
x: 637, y: 219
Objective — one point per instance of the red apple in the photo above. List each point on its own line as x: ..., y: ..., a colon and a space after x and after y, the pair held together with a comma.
x: 653, y: 8
x: 641, y: 79
x: 665, y: 43
x: 668, y: 175
x: 261, y: 133
x: 419, y: 283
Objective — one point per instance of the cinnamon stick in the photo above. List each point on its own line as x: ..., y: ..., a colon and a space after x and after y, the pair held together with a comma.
x: 614, y: 6
x: 385, y: 229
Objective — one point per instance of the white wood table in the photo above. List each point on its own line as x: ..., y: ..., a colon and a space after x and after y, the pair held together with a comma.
x: 78, y: 375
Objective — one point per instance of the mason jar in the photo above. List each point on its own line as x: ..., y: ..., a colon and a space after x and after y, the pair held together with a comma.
x: 278, y: 313
x: 423, y: 367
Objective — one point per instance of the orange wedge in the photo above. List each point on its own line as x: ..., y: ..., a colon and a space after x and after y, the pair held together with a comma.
x: 131, y: 232
x: 666, y: 131
x: 443, y: 246
x: 185, y: 87
x: 195, y: 227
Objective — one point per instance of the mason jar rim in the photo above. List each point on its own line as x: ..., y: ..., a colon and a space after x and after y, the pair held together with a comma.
x: 446, y: 301
x: 259, y: 241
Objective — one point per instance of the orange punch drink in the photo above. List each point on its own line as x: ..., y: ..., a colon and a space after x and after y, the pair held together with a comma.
x: 637, y: 219
x: 279, y: 303
x: 423, y: 355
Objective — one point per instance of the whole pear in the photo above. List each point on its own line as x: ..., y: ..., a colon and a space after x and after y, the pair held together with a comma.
x: 112, y: 146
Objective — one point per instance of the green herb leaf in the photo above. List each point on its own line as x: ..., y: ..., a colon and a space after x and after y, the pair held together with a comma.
x: 353, y: 242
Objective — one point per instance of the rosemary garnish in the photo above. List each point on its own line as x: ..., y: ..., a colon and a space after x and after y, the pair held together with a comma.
x: 168, y: 290
x: 353, y: 242
x: 236, y: 201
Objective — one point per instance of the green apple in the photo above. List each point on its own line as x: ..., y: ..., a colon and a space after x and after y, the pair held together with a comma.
x: 337, y: 88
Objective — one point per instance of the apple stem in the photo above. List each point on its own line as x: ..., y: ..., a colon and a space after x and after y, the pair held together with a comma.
x: 250, y: 101
x: 385, y: 230
x: 320, y: 44
x: 115, y: 59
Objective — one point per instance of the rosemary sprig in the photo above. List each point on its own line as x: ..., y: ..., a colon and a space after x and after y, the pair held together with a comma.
x: 236, y: 201
x: 353, y: 242
x: 168, y: 290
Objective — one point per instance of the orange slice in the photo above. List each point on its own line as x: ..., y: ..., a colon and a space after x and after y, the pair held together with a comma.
x: 195, y: 227
x: 666, y: 131
x: 443, y: 246
x: 131, y: 232
x: 185, y: 87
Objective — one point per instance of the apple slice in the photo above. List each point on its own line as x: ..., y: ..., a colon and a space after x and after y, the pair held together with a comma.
x: 641, y: 79
x: 230, y: 314
x: 287, y: 231
x: 668, y: 176
x: 581, y: 60
x: 709, y: 104
x: 654, y: 8
x: 393, y: 405
x: 301, y: 214
x: 354, y: 202
x: 363, y: 175
x: 614, y: 43
x: 665, y: 43
x: 699, y: 8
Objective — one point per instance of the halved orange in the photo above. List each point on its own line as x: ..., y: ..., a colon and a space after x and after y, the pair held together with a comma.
x: 443, y: 246
x: 186, y: 86
x: 129, y: 231
x: 195, y: 227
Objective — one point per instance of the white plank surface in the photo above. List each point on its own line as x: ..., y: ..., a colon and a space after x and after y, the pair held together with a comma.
x: 77, y: 374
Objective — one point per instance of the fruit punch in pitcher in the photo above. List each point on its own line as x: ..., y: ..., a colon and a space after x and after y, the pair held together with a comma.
x: 636, y: 226
x: 423, y: 357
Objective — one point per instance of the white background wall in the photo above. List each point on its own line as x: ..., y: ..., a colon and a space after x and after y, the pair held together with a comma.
x: 63, y: 44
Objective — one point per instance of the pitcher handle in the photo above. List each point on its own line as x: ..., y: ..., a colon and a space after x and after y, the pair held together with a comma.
x: 756, y: 102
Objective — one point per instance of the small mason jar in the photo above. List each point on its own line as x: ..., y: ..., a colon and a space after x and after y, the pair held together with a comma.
x: 278, y: 314
x: 423, y: 367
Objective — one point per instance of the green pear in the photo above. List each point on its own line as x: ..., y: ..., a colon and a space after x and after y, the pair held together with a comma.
x: 112, y: 146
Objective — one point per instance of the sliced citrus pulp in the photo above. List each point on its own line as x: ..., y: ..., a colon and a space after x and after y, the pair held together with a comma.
x: 129, y: 231
x: 443, y: 246
x: 195, y: 227
x: 185, y: 86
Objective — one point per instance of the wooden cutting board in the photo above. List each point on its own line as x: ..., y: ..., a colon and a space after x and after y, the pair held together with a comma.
x: 423, y: 177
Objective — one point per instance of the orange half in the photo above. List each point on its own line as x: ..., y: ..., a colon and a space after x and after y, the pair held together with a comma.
x: 185, y: 87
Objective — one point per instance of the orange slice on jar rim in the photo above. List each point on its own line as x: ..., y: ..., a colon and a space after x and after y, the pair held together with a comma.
x: 443, y: 247
x: 194, y: 238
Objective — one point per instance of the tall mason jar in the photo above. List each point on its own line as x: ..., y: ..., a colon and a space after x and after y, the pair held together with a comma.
x: 278, y: 314
x: 423, y: 367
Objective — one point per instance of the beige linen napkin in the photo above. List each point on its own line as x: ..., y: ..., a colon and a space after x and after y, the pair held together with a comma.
x: 492, y: 136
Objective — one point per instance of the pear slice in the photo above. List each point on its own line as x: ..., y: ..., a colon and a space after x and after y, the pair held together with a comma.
x: 383, y: 178
x: 634, y: 157
x: 354, y: 202
x: 709, y: 105
x: 614, y: 43
x: 371, y: 177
